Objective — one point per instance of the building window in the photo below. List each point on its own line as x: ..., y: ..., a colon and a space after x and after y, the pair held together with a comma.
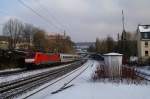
x: 146, y: 44
x: 146, y: 53
x: 145, y: 35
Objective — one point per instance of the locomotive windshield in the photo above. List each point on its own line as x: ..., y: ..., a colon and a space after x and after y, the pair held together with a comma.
x: 30, y: 55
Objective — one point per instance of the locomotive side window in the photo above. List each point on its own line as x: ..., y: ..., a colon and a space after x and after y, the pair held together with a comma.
x: 67, y: 56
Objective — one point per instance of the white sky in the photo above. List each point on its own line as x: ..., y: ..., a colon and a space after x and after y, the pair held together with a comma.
x: 83, y: 20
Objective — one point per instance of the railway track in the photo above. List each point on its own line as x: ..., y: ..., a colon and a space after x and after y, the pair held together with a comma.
x: 24, y: 70
x: 143, y: 75
x: 19, y: 86
x: 138, y: 73
x: 7, y: 73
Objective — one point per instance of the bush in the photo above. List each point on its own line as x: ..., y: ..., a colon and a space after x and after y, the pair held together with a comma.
x: 11, y: 59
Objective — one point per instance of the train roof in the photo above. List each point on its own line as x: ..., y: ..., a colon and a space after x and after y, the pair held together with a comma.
x: 68, y: 54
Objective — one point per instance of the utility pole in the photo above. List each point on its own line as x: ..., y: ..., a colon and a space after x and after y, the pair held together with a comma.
x: 123, y: 20
x: 124, y: 42
x: 118, y: 37
x: 123, y: 26
x: 64, y: 33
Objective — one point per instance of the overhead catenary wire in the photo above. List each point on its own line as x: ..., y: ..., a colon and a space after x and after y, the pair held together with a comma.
x: 38, y: 14
x: 43, y: 7
x: 51, y: 15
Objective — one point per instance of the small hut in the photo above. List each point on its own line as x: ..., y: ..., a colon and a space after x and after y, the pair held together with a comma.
x: 113, y: 62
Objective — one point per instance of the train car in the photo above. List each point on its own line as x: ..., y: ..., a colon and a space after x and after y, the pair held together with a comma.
x: 69, y: 57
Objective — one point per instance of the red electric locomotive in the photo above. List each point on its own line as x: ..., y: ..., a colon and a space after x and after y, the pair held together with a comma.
x: 38, y: 58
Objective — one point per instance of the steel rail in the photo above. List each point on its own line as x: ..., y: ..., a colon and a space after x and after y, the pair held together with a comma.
x: 12, y: 89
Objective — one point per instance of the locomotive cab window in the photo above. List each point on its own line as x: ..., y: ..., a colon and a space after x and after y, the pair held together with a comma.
x: 30, y: 55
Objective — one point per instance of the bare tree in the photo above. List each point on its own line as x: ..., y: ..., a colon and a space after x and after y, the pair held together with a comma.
x: 104, y: 45
x: 39, y: 40
x: 110, y: 44
x: 13, y: 29
x: 28, y: 33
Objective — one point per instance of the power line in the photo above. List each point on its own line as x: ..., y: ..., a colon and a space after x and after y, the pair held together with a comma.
x: 52, y: 16
x: 42, y: 7
x: 36, y: 12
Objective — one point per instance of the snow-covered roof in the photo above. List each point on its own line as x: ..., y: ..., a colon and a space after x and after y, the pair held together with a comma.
x: 144, y: 28
x: 113, y: 54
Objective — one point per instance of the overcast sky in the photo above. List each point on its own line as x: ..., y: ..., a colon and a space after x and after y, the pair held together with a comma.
x: 83, y: 20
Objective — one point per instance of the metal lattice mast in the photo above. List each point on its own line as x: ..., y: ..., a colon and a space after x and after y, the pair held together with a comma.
x: 123, y: 32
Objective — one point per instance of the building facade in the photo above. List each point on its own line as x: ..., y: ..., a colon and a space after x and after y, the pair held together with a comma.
x: 3, y: 42
x: 143, y: 42
x: 22, y: 44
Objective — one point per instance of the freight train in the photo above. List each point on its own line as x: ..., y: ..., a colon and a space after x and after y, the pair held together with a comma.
x: 38, y: 59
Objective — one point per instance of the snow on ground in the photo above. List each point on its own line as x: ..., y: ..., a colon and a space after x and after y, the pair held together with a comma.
x: 84, y: 88
x: 9, y: 70
x: 28, y: 73
x: 144, y: 70
x: 55, y: 86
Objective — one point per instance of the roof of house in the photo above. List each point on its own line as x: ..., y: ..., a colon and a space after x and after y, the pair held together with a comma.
x: 144, y: 28
x: 113, y: 54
